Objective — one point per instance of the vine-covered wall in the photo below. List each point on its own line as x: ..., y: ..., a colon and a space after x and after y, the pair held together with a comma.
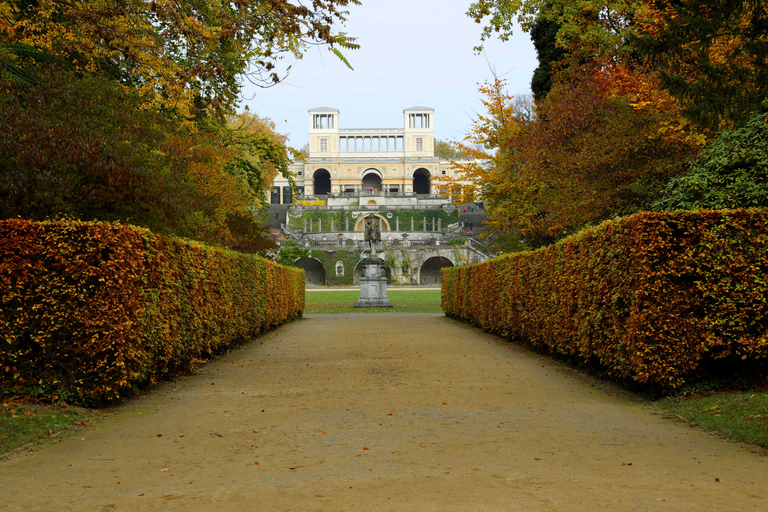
x: 329, y: 259
x: 296, y: 221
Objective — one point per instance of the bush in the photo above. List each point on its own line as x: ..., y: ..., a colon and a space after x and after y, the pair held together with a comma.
x: 91, y: 310
x: 654, y: 297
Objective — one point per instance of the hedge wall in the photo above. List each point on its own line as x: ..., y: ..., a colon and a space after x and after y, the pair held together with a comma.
x: 90, y: 310
x: 654, y: 297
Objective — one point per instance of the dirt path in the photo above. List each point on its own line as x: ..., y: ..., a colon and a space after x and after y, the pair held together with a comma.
x: 386, y: 412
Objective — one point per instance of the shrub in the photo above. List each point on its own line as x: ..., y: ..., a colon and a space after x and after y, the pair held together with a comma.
x: 91, y: 310
x: 654, y: 297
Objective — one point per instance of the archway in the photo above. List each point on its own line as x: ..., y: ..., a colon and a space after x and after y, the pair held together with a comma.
x: 372, y: 180
x: 421, y: 181
x: 322, y: 181
x: 314, y: 271
x: 383, y: 223
x: 430, y: 270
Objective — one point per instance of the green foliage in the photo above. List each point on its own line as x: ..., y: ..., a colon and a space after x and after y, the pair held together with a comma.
x: 446, y: 151
x: 731, y: 173
x: 544, y: 36
x: 290, y: 251
x: 652, y: 297
x: 329, y: 259
x: 91, y: 310
x: 296, y: 221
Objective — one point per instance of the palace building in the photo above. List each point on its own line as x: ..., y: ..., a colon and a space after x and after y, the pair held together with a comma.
x: 353, y: 161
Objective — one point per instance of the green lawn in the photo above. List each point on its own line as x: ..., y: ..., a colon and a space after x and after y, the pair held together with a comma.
x: 405, y: 301
x: 738, y: 415
x: 24, y: 424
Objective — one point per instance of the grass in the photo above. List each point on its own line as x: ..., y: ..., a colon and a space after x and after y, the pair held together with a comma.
x: 25, y: 425
x: 405, y: 301
x: 741, y: 415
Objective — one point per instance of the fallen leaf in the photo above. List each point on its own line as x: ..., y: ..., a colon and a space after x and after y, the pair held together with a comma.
x: 159, y: 435
x: 291, y: 467
x: 164, y: 470
x: 366, y: 448
x: 445, y: 403
x: 27, y: 413
x: 390, y: 414
x: 255, y: 463
x: 717, y: 479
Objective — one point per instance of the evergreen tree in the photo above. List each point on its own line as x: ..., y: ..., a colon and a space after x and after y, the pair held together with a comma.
x: 544, y: 36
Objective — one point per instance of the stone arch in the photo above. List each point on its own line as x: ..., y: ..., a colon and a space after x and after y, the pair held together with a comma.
x: 314, y: 271
x: 421, y: 181
x: 360, y: 224
x: 322, y: 181
x: 371, y: 179
x: 358, y: 271
x: 430, y: 269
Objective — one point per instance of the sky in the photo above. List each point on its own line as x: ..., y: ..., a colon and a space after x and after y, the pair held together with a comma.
x: 413, y: 52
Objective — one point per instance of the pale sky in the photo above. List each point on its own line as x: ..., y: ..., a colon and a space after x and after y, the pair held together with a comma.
x: 413, y: 52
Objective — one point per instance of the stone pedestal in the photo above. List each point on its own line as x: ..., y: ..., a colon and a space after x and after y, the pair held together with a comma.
x: 373, y: 284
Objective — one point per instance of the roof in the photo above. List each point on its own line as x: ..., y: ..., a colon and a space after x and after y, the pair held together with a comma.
x: 324, y: 108
x: 418, y: 107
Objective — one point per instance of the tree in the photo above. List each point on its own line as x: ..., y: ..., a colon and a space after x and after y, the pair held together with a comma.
x: 544, y: 36
x: 731, y: 173
x: 290, y: 252
x: 712, y: 55
x: 446, y: 151
x: 63, y: 152
x: 191, y: 55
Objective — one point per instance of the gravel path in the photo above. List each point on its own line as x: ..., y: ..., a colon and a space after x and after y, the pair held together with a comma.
x: 386, y: 412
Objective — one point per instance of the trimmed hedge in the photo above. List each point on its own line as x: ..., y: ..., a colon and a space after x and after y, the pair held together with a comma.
x: 91, y: 310
x: 654, y: 297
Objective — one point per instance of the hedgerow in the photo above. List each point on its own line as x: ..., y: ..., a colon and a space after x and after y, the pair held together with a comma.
x: 92, y: 310
x: 654, y: 297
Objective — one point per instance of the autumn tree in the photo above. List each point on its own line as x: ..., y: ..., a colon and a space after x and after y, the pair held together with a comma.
x: 711, y: 54
x: 191, y: 56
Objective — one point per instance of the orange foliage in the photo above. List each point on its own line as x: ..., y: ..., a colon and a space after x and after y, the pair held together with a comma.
x: 90, y: 310
x: 652, y: 297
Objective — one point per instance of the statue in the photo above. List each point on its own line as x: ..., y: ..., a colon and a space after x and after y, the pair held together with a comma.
x: 372, y: 233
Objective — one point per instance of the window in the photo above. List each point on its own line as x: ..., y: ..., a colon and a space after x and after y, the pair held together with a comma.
x: 323, y: 145
x: 419, y: 144
x: 299, y: 173
x: 444, y: 172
